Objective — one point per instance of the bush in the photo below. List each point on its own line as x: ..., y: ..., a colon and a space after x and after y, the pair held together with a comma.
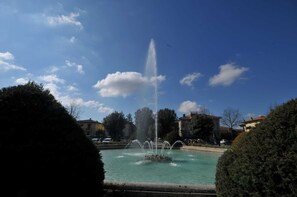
x: 172, y: 136
x: 236, y: 144
x: 266, y: 162
x: 43, y: 150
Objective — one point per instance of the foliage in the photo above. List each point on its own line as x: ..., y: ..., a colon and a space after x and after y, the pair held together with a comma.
x: 172, y: 136
x: 43, y: 150
x: 236, y: 144
x: 201, y: 126
x: 166, y: 122
x: 266, y: 162
x: 144, y: 123
x: 115, y: 123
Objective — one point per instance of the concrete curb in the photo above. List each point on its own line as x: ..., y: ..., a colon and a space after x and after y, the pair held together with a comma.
x: 154, y: 189
x: 204, y: 149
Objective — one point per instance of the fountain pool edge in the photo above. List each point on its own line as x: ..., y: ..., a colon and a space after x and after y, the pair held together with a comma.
x: 203, y: 149
x: 156, y: 189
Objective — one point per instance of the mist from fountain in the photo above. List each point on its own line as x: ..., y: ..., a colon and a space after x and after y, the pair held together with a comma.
x: 151, y: 74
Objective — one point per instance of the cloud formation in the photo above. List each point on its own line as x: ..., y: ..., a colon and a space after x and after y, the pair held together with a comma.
x: 228, y: 74
x: 100, y: 107
x: 21, y: 81
x: 70, y: 19
x: 78, y: 67
x: 190, y: 78
x: 190, y: 106
x: 51, y: 79
x: 124, y: 83
x: 5, y: 62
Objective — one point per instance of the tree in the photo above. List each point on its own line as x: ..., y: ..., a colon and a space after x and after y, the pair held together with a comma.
x: 201, y: 126
x: 263, y: 162
x: 144, y: 123
x: 166, y: 122
x: 74, y: 110
x: 130, y: 129
x: 231, y: 118
x: 114, y: 123
x: 44, y: 152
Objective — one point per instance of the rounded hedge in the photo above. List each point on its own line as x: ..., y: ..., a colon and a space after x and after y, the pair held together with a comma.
x: 43, y: 150
x: 266, y: 162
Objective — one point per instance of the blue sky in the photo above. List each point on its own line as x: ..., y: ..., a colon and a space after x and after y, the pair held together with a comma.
x: 211, y: 54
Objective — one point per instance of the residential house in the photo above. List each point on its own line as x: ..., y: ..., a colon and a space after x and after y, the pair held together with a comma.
x: 184, y: 125
x: 92, y: 128
x: 247, y: 125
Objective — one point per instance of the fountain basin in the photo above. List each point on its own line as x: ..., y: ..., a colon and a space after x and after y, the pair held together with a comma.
x: 186, y: 167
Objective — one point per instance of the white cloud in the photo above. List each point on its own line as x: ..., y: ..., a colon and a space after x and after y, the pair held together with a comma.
x: 21, y: 81
x: 6, y: 65
x: 78, y: 67
x: 51, y: 79
x: 72, y: 88
x: 228, y: 74
x: 124, y: 83
x: 6, y: 56
x: 100, y: 107
x: 190, y: 78
x: 190, y: 106
x: 70, y: 19
x: 250, y: 115
x: 72, y: 39
x: 54, y: 69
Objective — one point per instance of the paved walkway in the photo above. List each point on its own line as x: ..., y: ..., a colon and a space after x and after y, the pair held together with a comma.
x: 202, y: 148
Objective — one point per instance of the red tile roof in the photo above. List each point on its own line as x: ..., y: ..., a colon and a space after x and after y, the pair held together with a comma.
x: 260, y: 118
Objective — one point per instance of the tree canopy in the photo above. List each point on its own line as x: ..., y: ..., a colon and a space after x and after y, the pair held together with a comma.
x: 115, y: 123
x: 144, y: 123
x: 263, y: 162
x: 44, y: 152
x: 166, y: 122
x: 201, y: 126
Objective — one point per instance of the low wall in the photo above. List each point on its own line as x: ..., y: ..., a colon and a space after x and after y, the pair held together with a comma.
x: 152, y: 189
x: 103, y: 146
x: 204, y: 149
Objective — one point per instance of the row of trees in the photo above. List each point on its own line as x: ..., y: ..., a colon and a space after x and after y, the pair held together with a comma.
x: 120, y: 126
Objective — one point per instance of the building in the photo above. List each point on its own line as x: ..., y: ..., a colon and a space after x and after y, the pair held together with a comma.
x: 92, y: 128
x: 184, y: 126
x: 247, y: 125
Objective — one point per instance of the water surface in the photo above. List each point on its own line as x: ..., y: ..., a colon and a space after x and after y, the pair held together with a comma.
x: 186, y: 167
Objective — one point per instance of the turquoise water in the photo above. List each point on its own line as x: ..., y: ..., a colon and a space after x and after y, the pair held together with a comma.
x: 186, y: 167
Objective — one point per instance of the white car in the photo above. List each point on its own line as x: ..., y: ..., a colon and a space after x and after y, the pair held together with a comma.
x: 107, y: 140
x: 225, y: 142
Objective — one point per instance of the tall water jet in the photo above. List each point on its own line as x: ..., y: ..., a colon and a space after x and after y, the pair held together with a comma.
x: 151, y: 71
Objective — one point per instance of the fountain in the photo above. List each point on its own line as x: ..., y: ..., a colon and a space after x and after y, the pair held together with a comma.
x: 149, y: 154
x: 144, y: 164
x: 151, y: 74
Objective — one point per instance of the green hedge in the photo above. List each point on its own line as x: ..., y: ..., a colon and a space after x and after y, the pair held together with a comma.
x: 265, y: 160
x: 43, y: 150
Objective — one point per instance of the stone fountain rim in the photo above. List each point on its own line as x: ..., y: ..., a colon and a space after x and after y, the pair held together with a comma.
x: 159, y: 187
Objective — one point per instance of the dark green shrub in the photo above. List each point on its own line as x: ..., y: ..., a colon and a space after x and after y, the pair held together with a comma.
x: 237, y: 141
x: 43, y: 151
x: 172, y: 136
x: 266, y: 162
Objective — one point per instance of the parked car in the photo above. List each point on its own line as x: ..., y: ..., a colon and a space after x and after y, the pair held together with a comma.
x: 225, y: 142
x: 95, y: 139
x: 107, y: 140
